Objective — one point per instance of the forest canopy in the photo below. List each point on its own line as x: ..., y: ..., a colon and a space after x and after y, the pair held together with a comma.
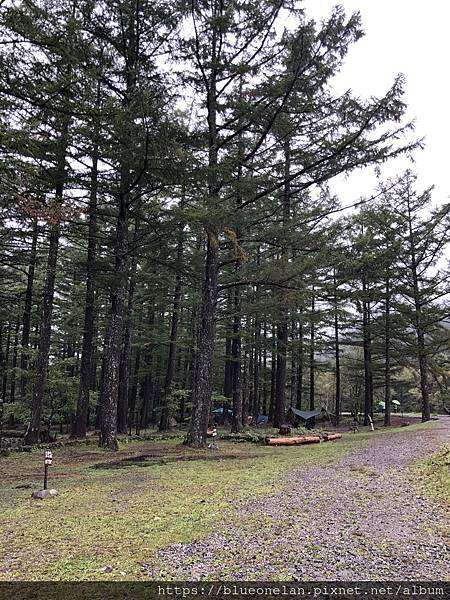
x: 169, y: 240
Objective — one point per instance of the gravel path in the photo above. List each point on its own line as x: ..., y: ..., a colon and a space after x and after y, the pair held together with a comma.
x: 358, y: 519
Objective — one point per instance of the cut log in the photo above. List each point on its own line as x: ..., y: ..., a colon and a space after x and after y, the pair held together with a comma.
x: 293, y: 441
x: 327, y: 437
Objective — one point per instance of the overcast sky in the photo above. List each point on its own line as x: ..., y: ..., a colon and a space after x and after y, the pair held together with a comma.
x: 410, y: 37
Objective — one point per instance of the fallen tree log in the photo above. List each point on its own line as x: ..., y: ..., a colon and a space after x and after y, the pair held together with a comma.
x: 327, y: 437
x: 293, y: 441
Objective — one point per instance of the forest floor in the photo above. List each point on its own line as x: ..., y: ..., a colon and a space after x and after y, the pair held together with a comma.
x: 369, y: 506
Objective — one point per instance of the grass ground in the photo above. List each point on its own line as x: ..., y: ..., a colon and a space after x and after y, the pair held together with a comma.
x: 434, y: 475
x: 118, y: 509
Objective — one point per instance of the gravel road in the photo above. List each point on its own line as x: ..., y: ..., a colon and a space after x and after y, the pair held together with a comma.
x: 360, y: 518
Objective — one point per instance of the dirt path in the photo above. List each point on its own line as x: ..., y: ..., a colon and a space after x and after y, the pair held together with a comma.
x: 358, y: 519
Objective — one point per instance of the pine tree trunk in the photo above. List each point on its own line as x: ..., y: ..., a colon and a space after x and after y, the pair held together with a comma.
x: 245, y: 387
x: 147, y: 403
x: 191, y: 352
x: 250, y: 351
x: 171, y: 360
x: 203, y: 380
x: 114, y: 335
x: 423, y: 368
x: 282, y: 329
x: 293, y: 395
x: 113, y: 340
x: 70, y: 370
x: 387, y: 356
x: 81, y: 417
x: 236, y: 350
x: 228, y: 376
x: 264, y: 371
x: 2, y: 371
x: 312, y: 364
x: 280, y: 378
x: 3, y: 364
x: 6, y: 362
x: 33, y: 430
x: 300, y: 361
x: 273, y: 375
x: 420, y: 332
x: 134, y: 388
x: 196, y: 436
x: 12, y: 391
x: 367, y: 350
x: 337, y: 369
x: 228, y: 371
x: 256, y: 371
x: 34, y: 427
x: 26, y: 319
x: 125, y: 357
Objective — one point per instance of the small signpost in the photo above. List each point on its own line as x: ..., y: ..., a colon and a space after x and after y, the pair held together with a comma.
x: 48, y: 457
x: 213, y: 446
x: 45, y: 493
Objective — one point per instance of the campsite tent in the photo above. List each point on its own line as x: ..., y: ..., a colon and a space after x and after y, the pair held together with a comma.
x: 217, y: 415
x: 382, y: 405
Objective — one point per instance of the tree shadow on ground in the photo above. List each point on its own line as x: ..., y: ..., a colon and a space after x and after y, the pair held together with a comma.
x: 147, y: 460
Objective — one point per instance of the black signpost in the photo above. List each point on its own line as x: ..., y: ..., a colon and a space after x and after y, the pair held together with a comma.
x: 46, y: 493
x: 48, y: 456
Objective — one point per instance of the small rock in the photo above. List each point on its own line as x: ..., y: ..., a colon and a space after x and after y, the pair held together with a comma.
x: 106, y: 569
x: 43, y: 494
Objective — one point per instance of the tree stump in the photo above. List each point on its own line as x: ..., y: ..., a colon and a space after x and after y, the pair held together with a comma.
x: 285, y: 429
x: 354, y: 427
